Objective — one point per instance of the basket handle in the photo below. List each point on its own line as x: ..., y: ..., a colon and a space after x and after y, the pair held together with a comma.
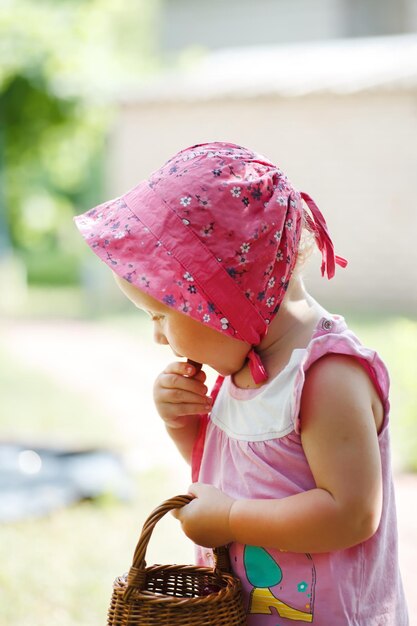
x: 137, y: 577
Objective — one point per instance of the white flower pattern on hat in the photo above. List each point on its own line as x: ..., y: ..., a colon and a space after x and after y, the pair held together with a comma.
x: 225, y: 323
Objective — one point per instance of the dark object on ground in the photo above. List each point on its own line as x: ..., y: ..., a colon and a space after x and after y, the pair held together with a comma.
x: 35, y: 481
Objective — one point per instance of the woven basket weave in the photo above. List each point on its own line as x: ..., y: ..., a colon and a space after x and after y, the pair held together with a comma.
x: 169, y: 595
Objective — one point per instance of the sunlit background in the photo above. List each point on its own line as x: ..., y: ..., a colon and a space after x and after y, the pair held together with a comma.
x: 94, y: 95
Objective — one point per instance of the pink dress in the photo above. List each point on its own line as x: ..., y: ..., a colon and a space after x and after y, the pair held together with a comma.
x: 251, y: 448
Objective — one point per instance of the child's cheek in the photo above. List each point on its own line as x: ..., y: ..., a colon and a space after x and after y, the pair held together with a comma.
x: 174, y: 338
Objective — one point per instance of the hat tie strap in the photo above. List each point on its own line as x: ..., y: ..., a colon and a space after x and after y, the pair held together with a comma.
x: 324, y: 242
x: 256, y: 367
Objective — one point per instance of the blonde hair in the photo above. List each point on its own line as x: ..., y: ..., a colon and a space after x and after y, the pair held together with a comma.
x: 307, y: 245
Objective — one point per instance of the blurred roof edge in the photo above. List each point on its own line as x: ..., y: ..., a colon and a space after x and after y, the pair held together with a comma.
x: 338, y: 66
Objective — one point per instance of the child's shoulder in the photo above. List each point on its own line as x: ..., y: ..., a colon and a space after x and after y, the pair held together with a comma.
x: 339, y: 372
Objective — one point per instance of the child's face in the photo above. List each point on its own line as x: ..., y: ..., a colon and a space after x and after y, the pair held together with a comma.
x: 187, y: 337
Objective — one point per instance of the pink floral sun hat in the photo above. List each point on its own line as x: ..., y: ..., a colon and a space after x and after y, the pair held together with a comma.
x: 213, y: 233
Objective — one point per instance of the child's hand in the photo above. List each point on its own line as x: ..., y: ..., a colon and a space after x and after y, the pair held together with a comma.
x: 206, y: 519
x: 179, y: 391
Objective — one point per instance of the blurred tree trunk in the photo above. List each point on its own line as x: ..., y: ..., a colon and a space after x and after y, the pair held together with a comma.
x: 5, y: 246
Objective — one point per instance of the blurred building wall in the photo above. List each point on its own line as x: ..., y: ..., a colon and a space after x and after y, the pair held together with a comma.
x: 218, y: 24
x: 353, y: 150
x: 380, y: 17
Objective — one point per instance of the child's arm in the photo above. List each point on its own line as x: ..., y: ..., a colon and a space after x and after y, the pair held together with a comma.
x: 339, y: 437
x: 180, y: 397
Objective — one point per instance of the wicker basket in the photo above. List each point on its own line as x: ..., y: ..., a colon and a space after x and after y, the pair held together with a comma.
x: 169, y: 595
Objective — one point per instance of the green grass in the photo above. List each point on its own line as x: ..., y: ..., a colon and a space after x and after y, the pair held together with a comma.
x: 59, y: 570
x: 35, y: 408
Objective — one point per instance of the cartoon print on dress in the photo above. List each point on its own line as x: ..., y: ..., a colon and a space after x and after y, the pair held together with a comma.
x: 285, y: 588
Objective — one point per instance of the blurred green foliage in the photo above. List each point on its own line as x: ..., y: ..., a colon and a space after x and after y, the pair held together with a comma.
x: 62, y: 65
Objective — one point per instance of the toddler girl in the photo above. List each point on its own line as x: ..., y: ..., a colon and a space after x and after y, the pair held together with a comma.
x: 290, y: 453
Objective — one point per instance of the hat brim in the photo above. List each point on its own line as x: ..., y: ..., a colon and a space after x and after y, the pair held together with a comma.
x: 130, y: 249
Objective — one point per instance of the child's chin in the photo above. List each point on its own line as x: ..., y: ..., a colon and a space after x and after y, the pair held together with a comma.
x: 223, y: 371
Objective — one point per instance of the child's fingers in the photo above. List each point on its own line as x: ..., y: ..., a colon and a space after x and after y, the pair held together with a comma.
x: 185, y: 369
x: 182, y: 383
x: 176, y: 412
x: 197, y: 366
x: 178, y: 392
x: 181, y: 396
x: 178, y: 375
x: 201, y: 376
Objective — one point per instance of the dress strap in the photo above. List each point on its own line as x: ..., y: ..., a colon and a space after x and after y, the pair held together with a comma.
x: 198, y: 448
